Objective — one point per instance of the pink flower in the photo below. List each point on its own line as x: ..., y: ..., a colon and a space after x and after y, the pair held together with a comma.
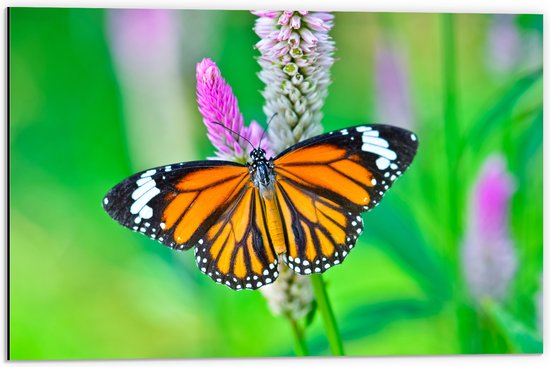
x: 488, y: 256
x: 296, y: 56
x: 218, y: 104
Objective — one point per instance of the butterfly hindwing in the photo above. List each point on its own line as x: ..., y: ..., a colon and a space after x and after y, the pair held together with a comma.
x: 237, y: 249
x: 320, y: 231
x: 328, y: 181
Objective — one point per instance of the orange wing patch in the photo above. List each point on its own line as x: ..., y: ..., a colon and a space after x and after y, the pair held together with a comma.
x: 324, y: 153
x: 330, y: 168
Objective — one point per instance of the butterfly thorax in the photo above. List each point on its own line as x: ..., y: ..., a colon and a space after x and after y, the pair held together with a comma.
x: 261, y: 171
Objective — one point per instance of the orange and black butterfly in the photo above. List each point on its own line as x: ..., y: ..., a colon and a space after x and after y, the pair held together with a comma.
x: 305, y: 204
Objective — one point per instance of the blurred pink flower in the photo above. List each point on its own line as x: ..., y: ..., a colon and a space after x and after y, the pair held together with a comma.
x: 145, y: 47
x: 393, y: 99
x: 217, y: 103
x: 489, y: 259
x: 144, y: 35
x: 511, y: 49
x: 503, y: 43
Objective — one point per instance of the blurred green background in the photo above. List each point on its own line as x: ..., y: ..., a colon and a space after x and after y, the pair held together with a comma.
x: 85, y: 112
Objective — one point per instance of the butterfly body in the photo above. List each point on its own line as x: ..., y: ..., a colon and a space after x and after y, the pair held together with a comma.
x: 261, y: 171
x: 303, y: 206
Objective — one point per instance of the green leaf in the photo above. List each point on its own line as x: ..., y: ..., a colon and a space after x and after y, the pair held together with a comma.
x: 495, y: 116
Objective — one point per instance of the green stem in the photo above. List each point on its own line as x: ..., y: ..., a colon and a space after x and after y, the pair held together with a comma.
x: 299, y: 341
x: 450, y: 121
x: 323, y: 305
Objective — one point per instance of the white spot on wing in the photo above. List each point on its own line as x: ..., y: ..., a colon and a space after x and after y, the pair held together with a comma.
x: 379, y: 150
x: 382, y: 163
x: 362, y: 129
x: 143, y: 189
x: 142, y: 181
x: 375, y: 141
x: 151, y: 172
x: 374, y: 144
x: 143, y: 200
x: 374, y: 133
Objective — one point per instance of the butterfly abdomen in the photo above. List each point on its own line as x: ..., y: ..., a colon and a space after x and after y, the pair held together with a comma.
x: 274, y: 223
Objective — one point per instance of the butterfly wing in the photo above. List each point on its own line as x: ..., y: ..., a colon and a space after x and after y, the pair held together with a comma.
x: 323, y: 185
x: 175, y: 204
x: 211, y: 205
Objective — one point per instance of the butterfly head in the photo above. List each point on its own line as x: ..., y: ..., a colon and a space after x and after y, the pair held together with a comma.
x: 261, y: 169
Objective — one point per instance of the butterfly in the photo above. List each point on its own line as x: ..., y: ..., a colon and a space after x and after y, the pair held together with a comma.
x: 303, y: 206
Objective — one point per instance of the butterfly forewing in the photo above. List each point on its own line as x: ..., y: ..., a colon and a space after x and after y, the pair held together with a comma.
x: 324, y: 183
x: 175, y: 204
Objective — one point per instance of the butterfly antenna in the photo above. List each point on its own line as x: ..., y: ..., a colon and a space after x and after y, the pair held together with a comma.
x: 234, y: 132
x: 267, y: 127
